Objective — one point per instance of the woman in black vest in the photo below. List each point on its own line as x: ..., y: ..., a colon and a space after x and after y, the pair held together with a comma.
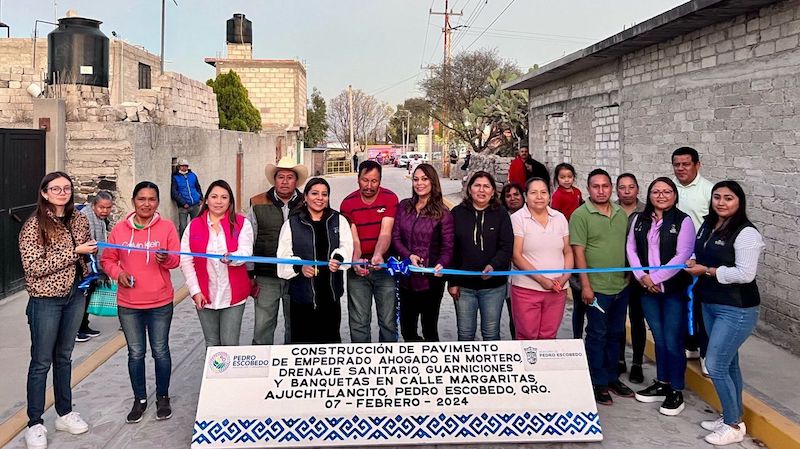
x: 314, y: 231
x: 726, y: 250
x: 663, y: 235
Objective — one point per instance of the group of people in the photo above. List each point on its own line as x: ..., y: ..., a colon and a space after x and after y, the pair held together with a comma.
x: 522, y: 227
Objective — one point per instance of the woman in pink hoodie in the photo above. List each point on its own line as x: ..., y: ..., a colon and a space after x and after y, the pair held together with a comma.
x: 145, y: 293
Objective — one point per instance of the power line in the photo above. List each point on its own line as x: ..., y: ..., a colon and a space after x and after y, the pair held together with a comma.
x: 490, y: 25
x: 476, y: 12
x: 384, y: 89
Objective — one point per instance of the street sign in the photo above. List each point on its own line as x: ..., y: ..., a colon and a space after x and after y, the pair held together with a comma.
x: 395, y: 393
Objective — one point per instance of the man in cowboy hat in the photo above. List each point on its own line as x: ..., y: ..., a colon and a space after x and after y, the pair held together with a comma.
x: 267, y: 213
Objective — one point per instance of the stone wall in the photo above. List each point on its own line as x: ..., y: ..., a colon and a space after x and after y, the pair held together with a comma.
x: 492, y: 163
x: 729, y: 90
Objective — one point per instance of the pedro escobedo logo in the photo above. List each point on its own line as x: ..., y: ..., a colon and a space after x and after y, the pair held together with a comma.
x: 219, y: 362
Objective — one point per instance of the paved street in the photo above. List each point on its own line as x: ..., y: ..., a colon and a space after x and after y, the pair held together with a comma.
x: 104, y: 398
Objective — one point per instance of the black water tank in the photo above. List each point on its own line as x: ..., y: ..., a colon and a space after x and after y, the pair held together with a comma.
x: 240, y: 30
x: 77, y: 53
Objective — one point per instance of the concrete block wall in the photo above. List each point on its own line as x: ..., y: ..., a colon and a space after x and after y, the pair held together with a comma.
x: 211, y: 153
x: 16, y: 106
x: 124, y: 70
x: 18, y: 52
x: 729, y: 90
x: 240, y: 51
x: 181, y: 101
x: 277, y: 90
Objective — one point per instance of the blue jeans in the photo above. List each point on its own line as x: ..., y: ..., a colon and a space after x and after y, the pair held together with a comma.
x: 54, y: 322
x: 603, y: 331
x: 360, y: 290
x: 490, y: 302
x: 153, y: 324
x: 667, y: 315
x: 728, y: 327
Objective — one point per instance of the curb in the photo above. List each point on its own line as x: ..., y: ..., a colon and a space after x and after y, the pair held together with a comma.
x: 763, y: 422
x: 17, y: 422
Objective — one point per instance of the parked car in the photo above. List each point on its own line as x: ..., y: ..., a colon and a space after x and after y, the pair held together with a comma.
x: 401, y: 161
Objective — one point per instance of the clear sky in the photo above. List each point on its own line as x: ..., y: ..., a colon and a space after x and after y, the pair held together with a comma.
x: 375, y: 45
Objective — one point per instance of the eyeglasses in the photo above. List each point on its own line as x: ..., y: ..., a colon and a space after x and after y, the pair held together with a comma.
x: 59, y: 190
x: 662, y: 192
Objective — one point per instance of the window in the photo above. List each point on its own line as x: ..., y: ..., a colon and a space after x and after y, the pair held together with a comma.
x: 144, y: 76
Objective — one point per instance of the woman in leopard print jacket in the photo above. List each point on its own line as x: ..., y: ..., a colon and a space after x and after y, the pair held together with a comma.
x: 52, y: 244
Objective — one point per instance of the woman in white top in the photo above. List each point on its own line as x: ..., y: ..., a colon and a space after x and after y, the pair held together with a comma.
x: 219, y: 287
x: 541, y: 242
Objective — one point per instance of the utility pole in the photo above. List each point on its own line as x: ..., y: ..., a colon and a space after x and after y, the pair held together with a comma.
x: 163, y: 10
x: 447, y: 29
x: 350, y: 116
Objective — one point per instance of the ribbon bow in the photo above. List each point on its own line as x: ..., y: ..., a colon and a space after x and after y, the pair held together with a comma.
x: 395, y: 266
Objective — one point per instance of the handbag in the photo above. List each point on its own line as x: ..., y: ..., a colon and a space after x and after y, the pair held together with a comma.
x: 103, y: 301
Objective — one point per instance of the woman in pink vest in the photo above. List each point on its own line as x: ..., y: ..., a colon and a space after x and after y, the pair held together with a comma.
x: 219, y: 287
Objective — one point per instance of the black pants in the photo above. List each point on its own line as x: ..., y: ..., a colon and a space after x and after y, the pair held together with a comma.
x: 85, y: 321
x: 316, y: 325
x: 638, y: 329
x: 423, y: 304
x: 578, y: 308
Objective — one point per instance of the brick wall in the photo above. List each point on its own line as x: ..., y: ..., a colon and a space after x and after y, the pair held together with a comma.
x: 731, y: 91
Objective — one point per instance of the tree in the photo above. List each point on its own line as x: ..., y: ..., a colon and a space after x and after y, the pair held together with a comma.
x: 465, y: 85
x: 419, y: 111
x: 370, y: 118
x: 236, y: 112
x: 317, y: 120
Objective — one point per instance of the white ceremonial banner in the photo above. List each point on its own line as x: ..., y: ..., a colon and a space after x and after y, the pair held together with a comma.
x: 395, y: 393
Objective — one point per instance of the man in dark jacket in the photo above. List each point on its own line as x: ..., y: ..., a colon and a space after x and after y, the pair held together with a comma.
x: 186, y: 193
x: 268, y: 212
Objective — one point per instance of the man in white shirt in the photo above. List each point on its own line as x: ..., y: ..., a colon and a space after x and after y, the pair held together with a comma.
x: 694, y: 197
x: 694, y: 191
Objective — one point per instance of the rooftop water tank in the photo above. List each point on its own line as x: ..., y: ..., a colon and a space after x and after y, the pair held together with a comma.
x: 77, y: 53
x: 239, y: 30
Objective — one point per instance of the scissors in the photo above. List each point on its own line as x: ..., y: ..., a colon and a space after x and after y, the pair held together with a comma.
x: 596, y: 305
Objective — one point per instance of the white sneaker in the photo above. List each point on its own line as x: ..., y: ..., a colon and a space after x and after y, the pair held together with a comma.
x: 72, y: 423
x: 725, y: 434
x: 36, y: 437
x: 692, y: 354
x: 703, y: 366
x: 712, y: 425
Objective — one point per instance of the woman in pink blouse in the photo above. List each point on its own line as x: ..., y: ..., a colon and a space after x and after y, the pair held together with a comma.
x: 541, y: 242
x: 663, y: 235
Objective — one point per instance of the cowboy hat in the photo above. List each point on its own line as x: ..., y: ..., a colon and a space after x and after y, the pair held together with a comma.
x: 287, y: 163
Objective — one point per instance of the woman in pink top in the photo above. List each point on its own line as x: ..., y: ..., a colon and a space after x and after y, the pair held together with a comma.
x: 145, y: 294
x: 663, y: 235
x: 219, y: 287
x: 541, y: 242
